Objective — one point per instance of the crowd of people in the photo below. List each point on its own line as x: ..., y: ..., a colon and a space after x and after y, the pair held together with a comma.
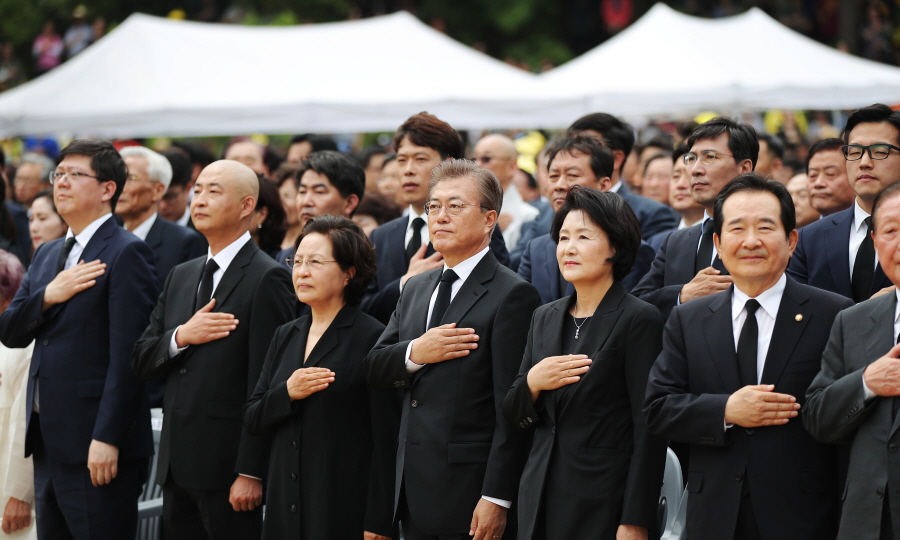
x: 392, y: 342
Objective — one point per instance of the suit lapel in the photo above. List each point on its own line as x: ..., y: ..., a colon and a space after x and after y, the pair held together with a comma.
x: 838, y: 259
x: 879, y: 338
x: 471, y: 290
x: 154, y: 235
x: 233, y: 274
x: 599, y: 328
x: 719, y: 334
x: 551, y: 338
x: 787, y: 331
x: 329, y: 339
x: 688, y: 255
x: 99, y: 240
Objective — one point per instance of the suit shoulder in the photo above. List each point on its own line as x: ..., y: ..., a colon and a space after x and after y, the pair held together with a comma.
x: 824, y: 298
x: 699, y: 306
x: 366, y: 324
x: 826, y: 223
x: 636, y: 305
x: 389, y: 227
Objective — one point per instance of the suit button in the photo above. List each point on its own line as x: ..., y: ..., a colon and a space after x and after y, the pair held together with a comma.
x: 879, y: 493
x: 414, y: 403
x: 183, y: 371
x: 398, y: 384
x: 738, y: 477
x: 293, y: 508
x: 892, y: 447
x: 46, y: 342
x: 553, y: 429
x: 294, y: 445
x: 293, y: 476
x: 749, y: 432
x: 528, y: 418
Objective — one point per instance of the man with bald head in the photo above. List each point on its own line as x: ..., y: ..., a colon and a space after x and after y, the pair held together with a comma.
x: 208, y: 335
x: 497, y: 153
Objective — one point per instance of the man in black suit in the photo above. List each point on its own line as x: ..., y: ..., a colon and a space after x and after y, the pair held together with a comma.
x: 87, y: 414
x: 733, y: 374
x: 401, y: 246
x: 209, y: 334
x: 453, y: 345
x: 573, y: 161
x: 685, y: 267
x: 149, y: 175
x: 618, y: 136
x: 836, y: 253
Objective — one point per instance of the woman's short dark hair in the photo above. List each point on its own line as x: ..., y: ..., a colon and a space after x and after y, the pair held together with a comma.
x: 610, y: 212
x: 351, y: 249
x: 272, y: 231
x: 753, y: 181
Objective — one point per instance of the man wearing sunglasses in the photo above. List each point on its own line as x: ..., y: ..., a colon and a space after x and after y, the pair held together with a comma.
x: 687, y: 266
x: 837, y: 252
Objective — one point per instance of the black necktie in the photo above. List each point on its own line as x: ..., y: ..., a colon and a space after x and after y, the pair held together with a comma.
x: 64, y: 254
x: 442, y: 302
x: 864, y: 266
x: 747, y: 345
x: 206, y: 284
x: 416, y: 241
x: 704, y: 253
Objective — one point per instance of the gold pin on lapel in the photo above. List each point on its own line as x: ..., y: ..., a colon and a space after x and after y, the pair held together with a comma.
x: 798, y: 317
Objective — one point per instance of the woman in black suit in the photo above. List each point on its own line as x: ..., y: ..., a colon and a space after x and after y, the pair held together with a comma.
x: 312, y: 397
x: 593, y: 471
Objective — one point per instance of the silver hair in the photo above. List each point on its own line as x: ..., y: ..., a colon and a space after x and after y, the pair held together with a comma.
x: 46, y: 164
x: 490, y: 194
x: 158, y: 167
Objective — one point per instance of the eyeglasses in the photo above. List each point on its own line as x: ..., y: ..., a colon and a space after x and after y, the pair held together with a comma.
x: 74, y: 176
x: 312, y: 264
x: 454, y: 209
x: 706, y: 157
x: 854, y: 152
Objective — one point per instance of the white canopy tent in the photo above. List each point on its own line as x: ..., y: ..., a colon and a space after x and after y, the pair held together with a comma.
x: 154, y: 76
x: 671, y: 63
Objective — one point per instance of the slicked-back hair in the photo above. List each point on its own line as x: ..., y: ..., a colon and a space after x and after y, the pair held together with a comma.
x: 617, y: 134
x: 887, y: 193
x: 344, y: 173
x: 873, y: 114
x: 773, y: 143
x: 106, y: 162
x: 429, y: 131
x: 822, y: 146
x: 158, y: 167
x: 742, y: 139
x: 610, y: 212
x: 601, y: 158
x: 350, y: 247
x: 755, y: 182
x: 490, y: 194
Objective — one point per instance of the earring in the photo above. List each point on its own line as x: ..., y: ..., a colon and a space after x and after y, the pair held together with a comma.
x: 259, y: 226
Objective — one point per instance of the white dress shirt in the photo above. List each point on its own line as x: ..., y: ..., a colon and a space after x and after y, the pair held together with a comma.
x: 769, y: 301
x: 463, y: 271
x: 185, y: 217
x: 142, y: 230
x: 413, y: 214
x: 223, y: 258
x: 858, y: 232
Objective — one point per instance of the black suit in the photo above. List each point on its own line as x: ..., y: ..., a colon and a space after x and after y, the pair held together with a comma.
x: 792, y: 479
x: 390, y: 253
x: 654, y: 216
x: 203, y: 444
x: 672, y: 268
x: 172, y: 245
x: 592, y: 465
x: 455, y: 445
x: 326, y: 480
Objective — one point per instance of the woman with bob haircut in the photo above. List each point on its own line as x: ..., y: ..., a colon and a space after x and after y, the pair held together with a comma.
x: 313, y: 400
x: 593, y: 472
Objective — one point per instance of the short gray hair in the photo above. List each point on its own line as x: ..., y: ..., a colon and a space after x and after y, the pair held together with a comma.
x: 158, y: 167
x: 46, y: 164
x: 490, y: 194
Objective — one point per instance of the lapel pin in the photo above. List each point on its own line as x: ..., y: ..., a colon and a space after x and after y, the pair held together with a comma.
x: 798, y: 317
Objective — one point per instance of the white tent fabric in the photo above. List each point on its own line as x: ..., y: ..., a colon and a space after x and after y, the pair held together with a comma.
x: 154, y: 76
x: 671, y: 63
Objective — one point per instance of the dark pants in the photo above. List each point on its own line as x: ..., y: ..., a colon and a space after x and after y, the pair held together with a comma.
x: 69, y: 507
x: 887, y: 527
x: 412, y: 532
x: 190, y: 514
x: 747, y: 527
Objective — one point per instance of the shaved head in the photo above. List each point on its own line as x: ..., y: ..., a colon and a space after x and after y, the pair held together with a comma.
x: 498, y: 154
x: 225, y: 196
x: 242, y: 177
